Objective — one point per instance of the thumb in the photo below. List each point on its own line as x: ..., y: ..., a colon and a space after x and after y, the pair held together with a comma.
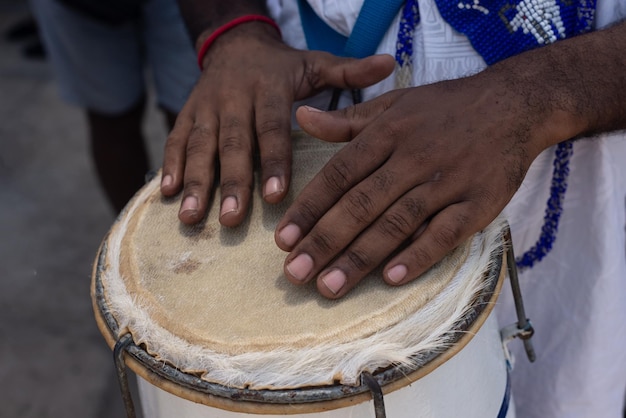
x: 344, y: 124
x: 347, y: 73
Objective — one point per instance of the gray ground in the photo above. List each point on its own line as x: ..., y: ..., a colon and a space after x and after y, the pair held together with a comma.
x: 53, y: 361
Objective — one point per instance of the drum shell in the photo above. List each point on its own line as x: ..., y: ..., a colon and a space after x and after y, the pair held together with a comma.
x: 469, y: 378
x: 471, y: 384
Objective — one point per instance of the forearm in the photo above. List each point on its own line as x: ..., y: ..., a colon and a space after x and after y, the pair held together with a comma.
x: 204, y: 16
x: 579, y: 84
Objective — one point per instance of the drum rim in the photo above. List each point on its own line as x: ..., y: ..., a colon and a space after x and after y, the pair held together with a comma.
x: 287, y: 401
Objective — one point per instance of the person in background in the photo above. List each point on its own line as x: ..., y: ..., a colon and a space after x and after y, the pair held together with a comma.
x: 516, y: 107
x: 103, y: 55
x: 26, y: 32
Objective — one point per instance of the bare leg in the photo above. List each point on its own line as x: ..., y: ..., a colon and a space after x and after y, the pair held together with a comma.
x: 119, y: 153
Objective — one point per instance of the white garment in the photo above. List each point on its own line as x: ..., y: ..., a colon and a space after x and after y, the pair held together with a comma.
x: 576, y: 296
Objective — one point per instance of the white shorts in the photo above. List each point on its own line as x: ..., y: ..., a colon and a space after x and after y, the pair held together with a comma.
x: 105, y: 68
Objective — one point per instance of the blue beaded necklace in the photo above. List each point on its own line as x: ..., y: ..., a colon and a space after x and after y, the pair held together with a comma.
x: 515, y: 28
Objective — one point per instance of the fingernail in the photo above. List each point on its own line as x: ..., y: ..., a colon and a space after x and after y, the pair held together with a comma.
x: 289, y: 235
x: 166, y: 180
x: 334, y: 280
x: 272, y: 186
x: 228, y: 205
x: 300, y: 267
x: 397, y: 273
x: 190, y: 204
x: 313, y: 109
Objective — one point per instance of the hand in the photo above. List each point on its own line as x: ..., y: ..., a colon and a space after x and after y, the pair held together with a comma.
x: 242, y: 104
x: 425, y: 169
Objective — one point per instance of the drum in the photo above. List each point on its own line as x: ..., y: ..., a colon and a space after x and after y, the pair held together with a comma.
x: 205, y: 317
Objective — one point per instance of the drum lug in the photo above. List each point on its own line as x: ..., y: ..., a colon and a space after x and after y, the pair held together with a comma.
x: 513, y: 331
x: 120, y: 365
x: 523, y: 328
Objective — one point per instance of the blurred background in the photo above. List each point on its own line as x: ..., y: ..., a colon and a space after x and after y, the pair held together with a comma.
x: 53, y: 215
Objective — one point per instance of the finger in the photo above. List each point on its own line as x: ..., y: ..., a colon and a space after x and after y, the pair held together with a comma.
x: 389, y: 232
x: 236, y: 143
x: 326, y: 70
x: 446, y: 231
x: 346, y: 123
x: 199, y: 170
x: 175, y: 155
x: 348, y: 218
x: 344, y: 170
x: 273, y: 127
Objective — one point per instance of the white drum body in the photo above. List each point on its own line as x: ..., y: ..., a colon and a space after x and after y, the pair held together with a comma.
x: 472, y: 384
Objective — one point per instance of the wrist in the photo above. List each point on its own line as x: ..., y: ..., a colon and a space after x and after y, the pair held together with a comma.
x: 538, y: 95
x: 208, y: 15
x: 247, y: 25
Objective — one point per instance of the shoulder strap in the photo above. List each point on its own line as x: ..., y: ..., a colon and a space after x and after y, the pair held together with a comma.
x: 370, y: 27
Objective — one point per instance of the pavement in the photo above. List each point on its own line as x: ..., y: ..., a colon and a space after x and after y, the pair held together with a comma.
x: 53, y: 215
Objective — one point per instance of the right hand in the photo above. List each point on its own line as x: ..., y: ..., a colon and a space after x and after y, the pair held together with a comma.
x: 242, y: 104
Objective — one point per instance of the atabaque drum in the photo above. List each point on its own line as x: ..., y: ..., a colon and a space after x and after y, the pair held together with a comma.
x: 206, y: 319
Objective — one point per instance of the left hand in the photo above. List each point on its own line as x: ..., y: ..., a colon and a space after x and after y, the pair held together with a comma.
x: 426, y: 168
x: 242, y: 105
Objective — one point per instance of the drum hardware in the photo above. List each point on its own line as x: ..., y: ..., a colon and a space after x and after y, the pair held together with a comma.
x: 120, y: 366
x: 125, y: 342
x: 523, y: 329
x: 377, y: 394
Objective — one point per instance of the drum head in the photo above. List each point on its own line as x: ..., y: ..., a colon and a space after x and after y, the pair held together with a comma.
x: 212, y: 301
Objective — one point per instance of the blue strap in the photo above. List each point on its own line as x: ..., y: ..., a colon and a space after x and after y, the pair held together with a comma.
x: 373, y: 21
x: 319, y: 36
x: 370, y: 27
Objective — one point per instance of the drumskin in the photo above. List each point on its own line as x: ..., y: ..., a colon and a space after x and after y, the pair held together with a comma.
x: 381, y: 330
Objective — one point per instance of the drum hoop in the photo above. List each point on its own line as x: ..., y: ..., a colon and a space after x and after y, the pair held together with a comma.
x: 293, y: 401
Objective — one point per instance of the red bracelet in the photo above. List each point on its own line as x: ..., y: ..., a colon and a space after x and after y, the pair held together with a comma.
x: 235, y: 22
